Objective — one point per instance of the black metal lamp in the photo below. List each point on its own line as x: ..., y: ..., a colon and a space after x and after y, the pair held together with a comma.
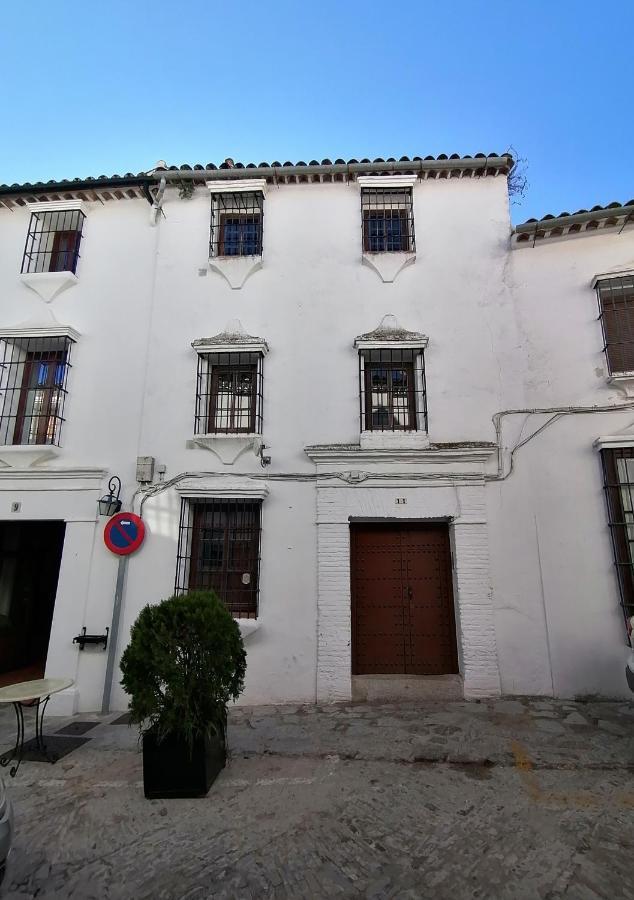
x: 110, y: 503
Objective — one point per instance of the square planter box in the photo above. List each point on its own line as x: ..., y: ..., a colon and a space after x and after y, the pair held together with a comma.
x: 171, y: 768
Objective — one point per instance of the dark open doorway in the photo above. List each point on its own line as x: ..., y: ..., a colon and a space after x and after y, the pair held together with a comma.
x: 30, y: 556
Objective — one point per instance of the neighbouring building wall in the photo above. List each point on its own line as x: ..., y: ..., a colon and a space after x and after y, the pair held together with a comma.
x: 109, y: 305
x: 559, y: 623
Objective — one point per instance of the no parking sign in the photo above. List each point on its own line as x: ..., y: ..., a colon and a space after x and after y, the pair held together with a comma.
x: 124, y: 533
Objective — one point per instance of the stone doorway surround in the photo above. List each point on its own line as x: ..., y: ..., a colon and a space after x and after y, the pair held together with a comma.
x: 443, y: 483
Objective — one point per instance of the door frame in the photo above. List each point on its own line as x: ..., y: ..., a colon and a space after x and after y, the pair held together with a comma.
x: 463, y: 507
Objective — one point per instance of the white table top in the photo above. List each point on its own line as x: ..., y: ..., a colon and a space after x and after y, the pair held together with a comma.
x: 33, y: 690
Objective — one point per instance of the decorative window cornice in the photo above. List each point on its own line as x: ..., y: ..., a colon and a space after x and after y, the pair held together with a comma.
x: 43, y: 331
x: 387, y: 181
x: 389, y: 334
x: 240, y: 488
x: 233, y: 339
x: 227, y: 343
x: 237, y: 186
x: 614, y: 441
x: 57, y: 206
x: 608, y: 276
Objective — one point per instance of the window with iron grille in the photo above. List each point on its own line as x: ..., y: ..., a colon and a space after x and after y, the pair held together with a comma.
x: 33, y: 376
x: 229, y: 393
x: 236, y: 224
x: 52, y: 242
x: 392, y: 390
x: 388, y: 220
x: 616, y: 311
x: 219, y: 549
x: 618, y: 480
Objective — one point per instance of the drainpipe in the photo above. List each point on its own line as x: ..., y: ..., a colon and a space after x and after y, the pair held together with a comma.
x: 158, y: 202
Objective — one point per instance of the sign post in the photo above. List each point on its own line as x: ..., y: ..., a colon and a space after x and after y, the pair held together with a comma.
x: 123, y: 534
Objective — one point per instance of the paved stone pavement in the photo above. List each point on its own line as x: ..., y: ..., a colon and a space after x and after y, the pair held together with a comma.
x: 505, y: 799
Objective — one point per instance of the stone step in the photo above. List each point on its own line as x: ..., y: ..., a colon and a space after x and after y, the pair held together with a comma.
x: 407, y: 687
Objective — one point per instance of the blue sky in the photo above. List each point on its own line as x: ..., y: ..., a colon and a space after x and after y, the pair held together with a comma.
x: 93, y: 88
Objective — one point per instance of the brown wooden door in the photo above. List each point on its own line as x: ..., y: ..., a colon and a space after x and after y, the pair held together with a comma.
x: 402, y: 600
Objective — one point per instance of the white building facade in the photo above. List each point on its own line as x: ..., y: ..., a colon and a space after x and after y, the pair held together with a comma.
x: 349, y: 398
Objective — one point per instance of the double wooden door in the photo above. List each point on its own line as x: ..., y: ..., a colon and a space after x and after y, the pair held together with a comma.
x: 402, y: 600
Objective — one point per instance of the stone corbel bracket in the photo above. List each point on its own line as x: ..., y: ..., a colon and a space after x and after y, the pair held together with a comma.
x: 623, y: 383
x: 228, y: 448
x: 48, y: 285
x: 388, y: 266
x: 235, y: 270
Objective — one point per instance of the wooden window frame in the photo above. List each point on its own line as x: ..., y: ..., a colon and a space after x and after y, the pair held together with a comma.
x: 33, y: 360
x: 383, y: 215
x: 618, y: 524
x: 69, y: 255
x: 617, y: 346
x: 407, y: 367
x: 218, y: 371
x: 243, y: 219
x: 228, y: 572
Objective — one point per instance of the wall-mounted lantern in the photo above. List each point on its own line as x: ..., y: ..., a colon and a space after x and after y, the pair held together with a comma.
x: 110, y: 503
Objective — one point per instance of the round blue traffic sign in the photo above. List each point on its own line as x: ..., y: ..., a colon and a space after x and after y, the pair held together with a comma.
x: 124, y: 533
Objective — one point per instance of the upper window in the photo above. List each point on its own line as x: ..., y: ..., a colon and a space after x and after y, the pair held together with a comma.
x: 236, y: 224
x: 229, y: 393
x: 388, y: 220
x: 219, y: 549
x: 33, y: 376
x: 618, y: 476
x: 616, y: 311
x: 52, y: 242
x: 392, y: 387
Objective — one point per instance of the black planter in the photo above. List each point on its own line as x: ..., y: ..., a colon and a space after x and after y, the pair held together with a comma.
x: 171, y: 768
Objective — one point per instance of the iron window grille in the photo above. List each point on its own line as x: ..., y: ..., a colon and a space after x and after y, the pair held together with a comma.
x: 616, y: 312
x: 393, y: 395
x: 53, y: 240
x: 618, y: 481
x: 219, y: 550
x: 33, y: 378
x: 229, y: 393
x: 388, y: 220
x: 236, y: 224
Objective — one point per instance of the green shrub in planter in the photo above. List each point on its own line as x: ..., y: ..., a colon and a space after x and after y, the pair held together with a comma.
x: 184, y: 663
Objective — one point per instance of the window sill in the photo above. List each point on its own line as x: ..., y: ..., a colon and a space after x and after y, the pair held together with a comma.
x: 48, y: 285
x: 398, y: 440
x: 23, y: 456
x: 388, y: 264
x: 235, y: 269
x: 623, y: 381
x: 227, y: 447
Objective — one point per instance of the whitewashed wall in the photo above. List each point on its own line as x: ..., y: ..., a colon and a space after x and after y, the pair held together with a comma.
x: 560, y: 627
x: 495, y: 320
x: 110, y: 307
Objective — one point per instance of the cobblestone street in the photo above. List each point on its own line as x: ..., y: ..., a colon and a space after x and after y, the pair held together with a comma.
x: 504, y: 799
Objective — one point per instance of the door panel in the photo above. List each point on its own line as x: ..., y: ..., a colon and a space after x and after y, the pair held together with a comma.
x: 378, y: 639
x: 402, y: 600
x: 432, y: 631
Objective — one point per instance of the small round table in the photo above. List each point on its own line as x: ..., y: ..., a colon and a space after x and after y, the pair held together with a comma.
x: 30, y: 693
